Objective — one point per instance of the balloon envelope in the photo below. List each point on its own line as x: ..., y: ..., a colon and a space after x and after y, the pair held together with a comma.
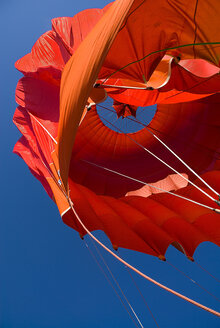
x: 139, y: 54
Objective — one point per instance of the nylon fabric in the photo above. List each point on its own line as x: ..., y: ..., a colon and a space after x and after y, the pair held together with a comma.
x: 58, y: 83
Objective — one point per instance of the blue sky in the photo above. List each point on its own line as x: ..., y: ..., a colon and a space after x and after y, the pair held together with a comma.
x: 48, y: 278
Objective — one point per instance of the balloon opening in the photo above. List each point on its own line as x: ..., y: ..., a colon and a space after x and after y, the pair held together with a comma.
x: 125, y: 121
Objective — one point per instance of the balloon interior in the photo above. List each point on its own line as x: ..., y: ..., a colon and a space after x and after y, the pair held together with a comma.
x: 119, y: 114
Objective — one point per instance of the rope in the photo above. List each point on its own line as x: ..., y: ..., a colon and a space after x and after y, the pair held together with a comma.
x: 158, y: 51
x: 170, y: 150
x: 159, y: 159
x: 121, y: 86
x: 192, y: 87
x: 136, y: 120
x: 196, y: 26
x: 147, y: 184
x: 138, y: 271
x: 43, y: 127
x: 205, y: 270
x: 116, y: 282
x: 131, y: 14
x: 110, y: 283
x: 193, y: 281
x: 126, y: 263
x: 142, y: 296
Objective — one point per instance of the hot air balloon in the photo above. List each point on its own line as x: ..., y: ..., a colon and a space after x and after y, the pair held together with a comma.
x: 146, y: 189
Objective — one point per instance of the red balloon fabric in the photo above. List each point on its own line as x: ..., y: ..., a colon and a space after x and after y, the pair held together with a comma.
x: 183, y: 82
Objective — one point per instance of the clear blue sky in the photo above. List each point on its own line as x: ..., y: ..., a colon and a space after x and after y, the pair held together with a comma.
x: 47, y: 276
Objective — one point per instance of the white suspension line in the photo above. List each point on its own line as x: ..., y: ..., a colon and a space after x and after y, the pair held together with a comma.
x: 147, y: 184
x: 116, y: 282
x: 163, y: 162
x: 140, y: 293
x: 130, y: 266
x: 117, y: 257
x: 193, y: 281
x: 186, y: 165
x: 201, y: 190
x: 110, y: 283
x: 180, y: 159
x: 190, y: 200
x: 49, y: 134
x: 138, y: 271
x: 119, y: 86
